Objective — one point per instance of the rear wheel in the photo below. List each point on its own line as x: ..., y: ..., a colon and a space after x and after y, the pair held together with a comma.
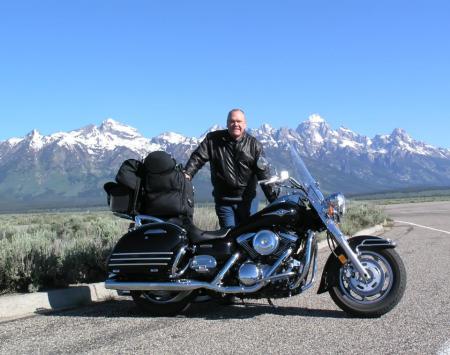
x: 162, y: 303
x: 377, y: 295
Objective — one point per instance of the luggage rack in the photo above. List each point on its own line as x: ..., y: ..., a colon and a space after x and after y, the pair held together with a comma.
x: 138, y: 219
x: 141, y: 219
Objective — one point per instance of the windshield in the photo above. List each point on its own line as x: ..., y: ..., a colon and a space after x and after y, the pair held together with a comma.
x: 302, y: 174
x: 313, y: 192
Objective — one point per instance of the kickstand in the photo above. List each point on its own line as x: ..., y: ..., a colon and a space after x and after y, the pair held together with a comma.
x: 243, y: 302
x: 271, y: 303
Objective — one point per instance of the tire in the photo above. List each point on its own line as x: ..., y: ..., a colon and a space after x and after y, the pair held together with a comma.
x: 162, y: 304
x: 376, y: 297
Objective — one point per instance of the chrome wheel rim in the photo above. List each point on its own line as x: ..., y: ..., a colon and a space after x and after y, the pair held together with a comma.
x: 373, y: 290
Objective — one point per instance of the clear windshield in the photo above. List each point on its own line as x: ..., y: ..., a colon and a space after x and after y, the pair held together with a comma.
x: 302, y: 175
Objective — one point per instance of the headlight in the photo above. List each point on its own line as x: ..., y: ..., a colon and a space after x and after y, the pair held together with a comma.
x: 337, y: 202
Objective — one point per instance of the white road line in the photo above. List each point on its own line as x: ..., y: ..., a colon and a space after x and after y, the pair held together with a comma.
x: 419, y: 225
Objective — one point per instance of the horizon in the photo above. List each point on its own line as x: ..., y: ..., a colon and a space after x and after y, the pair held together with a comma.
x: 371, y: 67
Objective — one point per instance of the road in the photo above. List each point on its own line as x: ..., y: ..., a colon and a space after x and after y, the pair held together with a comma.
x: 309, y: 323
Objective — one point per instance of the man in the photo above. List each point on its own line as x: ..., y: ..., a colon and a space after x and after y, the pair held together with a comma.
x: 233, y: 155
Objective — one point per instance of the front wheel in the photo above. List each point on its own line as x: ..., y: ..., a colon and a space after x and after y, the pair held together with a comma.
x: 377, y: 295
x: 162, y: 303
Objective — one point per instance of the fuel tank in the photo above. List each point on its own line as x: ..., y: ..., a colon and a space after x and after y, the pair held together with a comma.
x: 147, y: 252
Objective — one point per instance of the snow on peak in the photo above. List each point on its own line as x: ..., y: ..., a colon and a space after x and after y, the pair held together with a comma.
x: 172, y: 137
x: 110, y: 125
x: 346, y: 130
x: 110, y: 121
x: 14, y: 140
x: 34, y: 134
x: 315, y: 130
x: 267, y: 128
x: 400, y: 134
x: 315, y: 118
x: 35, y: 139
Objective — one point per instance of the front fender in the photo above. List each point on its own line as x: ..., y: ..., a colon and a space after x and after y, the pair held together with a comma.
x: 359, y: 243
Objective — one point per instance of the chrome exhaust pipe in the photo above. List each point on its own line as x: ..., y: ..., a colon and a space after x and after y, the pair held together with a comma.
x: 187, y: 285
x: 215, y: 285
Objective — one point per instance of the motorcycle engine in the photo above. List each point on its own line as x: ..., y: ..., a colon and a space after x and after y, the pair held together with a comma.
x: 266, y: 243
x: 250, y: 273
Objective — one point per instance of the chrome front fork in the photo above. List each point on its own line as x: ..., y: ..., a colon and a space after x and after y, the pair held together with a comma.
x: 342, y: 241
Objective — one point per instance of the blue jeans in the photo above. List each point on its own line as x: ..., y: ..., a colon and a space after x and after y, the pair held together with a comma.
x: 233, y: 214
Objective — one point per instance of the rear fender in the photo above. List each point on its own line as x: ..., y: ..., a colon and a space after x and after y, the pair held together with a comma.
x: 358, y: 244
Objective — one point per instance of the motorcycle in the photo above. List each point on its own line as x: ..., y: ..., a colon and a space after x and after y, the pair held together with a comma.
x: 165, y: 266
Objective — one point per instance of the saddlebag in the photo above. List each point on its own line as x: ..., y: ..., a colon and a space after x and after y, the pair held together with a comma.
x: 147, y: 253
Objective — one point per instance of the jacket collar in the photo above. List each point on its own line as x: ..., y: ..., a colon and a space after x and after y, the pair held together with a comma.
x: 227, y: 137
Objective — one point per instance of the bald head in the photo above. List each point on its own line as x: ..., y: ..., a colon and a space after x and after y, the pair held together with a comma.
x: 236, y: 123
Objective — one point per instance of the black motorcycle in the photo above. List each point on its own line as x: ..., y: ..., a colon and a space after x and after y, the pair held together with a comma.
x: 165, y: 266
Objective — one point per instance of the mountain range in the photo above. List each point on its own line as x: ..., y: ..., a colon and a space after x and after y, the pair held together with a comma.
x: 68, y: 169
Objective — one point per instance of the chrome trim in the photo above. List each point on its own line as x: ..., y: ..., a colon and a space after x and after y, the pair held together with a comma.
x: 140, y: 264
x: 291, y: 238
x: 127, y: 259
x: 265, y: 242
x: 141, y: 217
x: 203, y: 263
x: 155, y: 231
x: 182, y: 285
x: 147, y: 253
x: 281, y: 212
x: 313, y: 276
x: 375, y: 243
x: 175, y: 272
x: 242, y: 238
x: 218, y: 279
x: 280, y: 276
x: 306, y: 260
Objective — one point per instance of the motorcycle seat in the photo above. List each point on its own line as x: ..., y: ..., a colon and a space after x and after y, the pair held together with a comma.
x: 197, y: 235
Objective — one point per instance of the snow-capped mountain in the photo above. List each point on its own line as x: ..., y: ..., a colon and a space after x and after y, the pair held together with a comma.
x: 69, y: 168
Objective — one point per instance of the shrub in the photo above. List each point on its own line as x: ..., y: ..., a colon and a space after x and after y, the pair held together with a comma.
x: 361, y: 215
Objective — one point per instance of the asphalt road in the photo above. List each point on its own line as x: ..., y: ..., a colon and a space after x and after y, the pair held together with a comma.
x: 309, y: 323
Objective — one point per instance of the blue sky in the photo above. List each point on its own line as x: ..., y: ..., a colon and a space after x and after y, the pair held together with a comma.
x: 180, y: 66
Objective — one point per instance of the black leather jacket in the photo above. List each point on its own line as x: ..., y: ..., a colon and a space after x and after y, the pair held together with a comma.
x: 234, y: 173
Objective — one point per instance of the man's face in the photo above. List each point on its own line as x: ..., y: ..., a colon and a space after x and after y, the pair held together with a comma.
x: 236, y: 124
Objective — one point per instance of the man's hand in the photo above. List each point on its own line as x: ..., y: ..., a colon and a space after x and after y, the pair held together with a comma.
x: 187, y: 176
